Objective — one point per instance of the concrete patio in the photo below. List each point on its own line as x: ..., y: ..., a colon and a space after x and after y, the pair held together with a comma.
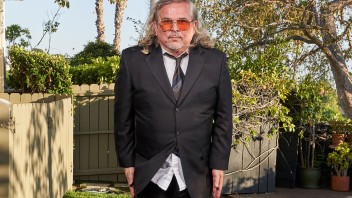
x: 297, y: 193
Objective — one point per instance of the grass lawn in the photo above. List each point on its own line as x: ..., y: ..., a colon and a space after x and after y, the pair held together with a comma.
x: 72, y: 194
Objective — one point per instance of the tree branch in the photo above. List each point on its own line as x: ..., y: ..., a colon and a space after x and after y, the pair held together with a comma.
x: 339, y: 5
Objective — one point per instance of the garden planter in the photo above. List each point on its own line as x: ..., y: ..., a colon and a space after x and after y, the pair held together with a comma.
x: 337, y: 139
x: 340, y: 183
x: 309, y: 177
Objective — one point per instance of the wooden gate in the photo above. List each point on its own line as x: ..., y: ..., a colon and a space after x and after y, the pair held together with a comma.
x: 36, y: 145
x: 94, y: 147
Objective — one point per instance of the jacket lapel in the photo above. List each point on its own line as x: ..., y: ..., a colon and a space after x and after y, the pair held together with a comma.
x: 194, y: 68
x: 156, y: 65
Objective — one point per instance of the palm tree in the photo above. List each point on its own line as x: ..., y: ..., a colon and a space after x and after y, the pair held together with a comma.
x: 100, y: 20
x: 120, y: 8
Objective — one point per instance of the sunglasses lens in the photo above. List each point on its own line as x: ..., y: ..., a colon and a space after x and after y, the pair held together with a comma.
x: 183, y: 25
x: 168, y: 25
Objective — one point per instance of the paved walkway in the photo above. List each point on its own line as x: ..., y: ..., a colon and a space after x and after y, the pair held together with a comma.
x: 297, y: 193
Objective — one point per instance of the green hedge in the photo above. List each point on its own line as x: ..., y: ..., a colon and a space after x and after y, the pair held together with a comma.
x: 91, y: 51
x: 99, y: 71
x: 37, y: 71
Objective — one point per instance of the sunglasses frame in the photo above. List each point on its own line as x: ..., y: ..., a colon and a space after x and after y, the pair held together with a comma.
x: 177, y: 23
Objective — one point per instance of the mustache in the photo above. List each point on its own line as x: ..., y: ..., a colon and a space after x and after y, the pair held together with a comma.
x: 174, y: 36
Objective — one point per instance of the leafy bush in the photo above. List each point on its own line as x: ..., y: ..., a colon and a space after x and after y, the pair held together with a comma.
x: 92, y: 51
x: 260, y: 82
x: 256, y: 101
x: 99, y: 71
x: 36, y: 71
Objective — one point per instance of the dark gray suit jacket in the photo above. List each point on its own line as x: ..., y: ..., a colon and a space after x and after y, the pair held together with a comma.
x: 149, y: 122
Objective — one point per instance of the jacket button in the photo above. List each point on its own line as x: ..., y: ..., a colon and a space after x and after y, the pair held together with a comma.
x: 177, y: 109
x: 177, y: 133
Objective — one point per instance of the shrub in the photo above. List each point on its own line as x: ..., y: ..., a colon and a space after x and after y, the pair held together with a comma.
x: 256, y: 103
x: 92, y: 51
x: 36, y: 71
x: 99, y: 71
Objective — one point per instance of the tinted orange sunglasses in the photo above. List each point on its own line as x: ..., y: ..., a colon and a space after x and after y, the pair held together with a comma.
x: 182, y: 24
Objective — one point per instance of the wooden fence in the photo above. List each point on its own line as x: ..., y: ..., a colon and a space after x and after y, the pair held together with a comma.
x: 95, y: 157
x: 94, y: 153
x: 36, y: 146
x: 252, y: 167
x: 36, y: 141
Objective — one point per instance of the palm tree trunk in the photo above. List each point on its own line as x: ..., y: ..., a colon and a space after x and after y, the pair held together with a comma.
x: 100, y: 21
x: 120, y: 8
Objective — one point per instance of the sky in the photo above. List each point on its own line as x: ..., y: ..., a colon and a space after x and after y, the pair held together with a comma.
x: 77, y: 23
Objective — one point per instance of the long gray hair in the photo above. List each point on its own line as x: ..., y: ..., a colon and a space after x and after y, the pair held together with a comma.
x: 201, y: 36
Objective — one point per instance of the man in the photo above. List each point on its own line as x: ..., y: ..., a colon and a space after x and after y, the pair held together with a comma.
x: 173, y: 111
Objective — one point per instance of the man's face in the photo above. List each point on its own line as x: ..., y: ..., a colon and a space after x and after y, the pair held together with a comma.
x: 176, y: 39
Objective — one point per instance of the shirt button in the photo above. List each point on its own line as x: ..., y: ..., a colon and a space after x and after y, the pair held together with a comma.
x: 177, y: 133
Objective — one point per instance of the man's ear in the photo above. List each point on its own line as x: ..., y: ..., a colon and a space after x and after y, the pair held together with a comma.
x: 195, y: 25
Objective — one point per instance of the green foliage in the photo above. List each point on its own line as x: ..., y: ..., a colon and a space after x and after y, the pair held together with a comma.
x: 36, y: 71
x: 340, y: 159
x: 311, y: 102
x: 256, y: 101
x: 71, y: 194
x: 316, y: 101
x: 91, y: 51
x: 97, y: 72
x: 16, y: 32
x: 341, y: 125
x: 260, y: 81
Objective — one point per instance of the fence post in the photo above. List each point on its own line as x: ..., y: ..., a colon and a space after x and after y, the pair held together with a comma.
x: 5, y: 125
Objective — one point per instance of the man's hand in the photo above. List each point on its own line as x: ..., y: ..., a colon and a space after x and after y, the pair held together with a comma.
x: 218, y: 179
x: 129, y: 172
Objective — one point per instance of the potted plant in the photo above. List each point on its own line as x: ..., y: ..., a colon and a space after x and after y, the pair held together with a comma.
x: 312, y: 100
x: 338, y: 131
x: 312, y: 104
x: 310, y: 115
x: 340, y: 160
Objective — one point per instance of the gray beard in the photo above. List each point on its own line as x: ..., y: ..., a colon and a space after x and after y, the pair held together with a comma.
x: 174, y: 46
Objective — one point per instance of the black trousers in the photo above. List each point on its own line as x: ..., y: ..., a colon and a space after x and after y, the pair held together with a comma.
x: 154, y: 191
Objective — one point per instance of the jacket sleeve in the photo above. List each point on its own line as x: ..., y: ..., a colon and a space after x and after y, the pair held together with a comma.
x: 124, y: 119
x: 222, y: 127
